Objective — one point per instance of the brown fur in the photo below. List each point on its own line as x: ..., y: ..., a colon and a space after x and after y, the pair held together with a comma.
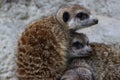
x: 43, y: 46
x: 102, y: 64
x: 42, y: 50
x: 105, y: 62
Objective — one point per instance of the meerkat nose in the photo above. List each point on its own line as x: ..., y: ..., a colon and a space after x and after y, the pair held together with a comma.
x: 96, y: 21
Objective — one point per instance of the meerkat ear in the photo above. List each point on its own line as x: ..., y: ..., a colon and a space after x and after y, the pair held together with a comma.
x: 66, y: 16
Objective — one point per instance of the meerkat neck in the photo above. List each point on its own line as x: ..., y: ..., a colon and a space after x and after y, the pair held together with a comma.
x: 75, y: 63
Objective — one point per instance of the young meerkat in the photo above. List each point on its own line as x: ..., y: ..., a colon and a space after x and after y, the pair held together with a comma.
x: 79, y: 45
x: 43, y: 46
x: 78, y: 69
x: 103, y: 64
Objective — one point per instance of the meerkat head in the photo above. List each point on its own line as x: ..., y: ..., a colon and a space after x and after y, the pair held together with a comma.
x: 75, y: 17
x: 80, y: 45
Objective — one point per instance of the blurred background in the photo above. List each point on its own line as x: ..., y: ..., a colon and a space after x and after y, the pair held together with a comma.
x: 15, y: 15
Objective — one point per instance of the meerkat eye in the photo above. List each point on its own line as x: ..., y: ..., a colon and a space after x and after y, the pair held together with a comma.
x: 66, y: 16
x: 77, y: 45
x: 82, y: 16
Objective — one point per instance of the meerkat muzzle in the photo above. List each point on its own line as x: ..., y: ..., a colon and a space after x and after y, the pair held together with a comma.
x: 95, y: 21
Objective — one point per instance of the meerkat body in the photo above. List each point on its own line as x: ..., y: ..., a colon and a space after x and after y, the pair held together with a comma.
x: 43, y: 46
x: 78, y: 69
x: 41, y: 53
x: 104, y: 63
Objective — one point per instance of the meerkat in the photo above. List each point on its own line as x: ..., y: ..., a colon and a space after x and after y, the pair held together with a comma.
x: 103, y: 64
x: 79, y: 45
x: 77, y: 69
x: 44, y: 45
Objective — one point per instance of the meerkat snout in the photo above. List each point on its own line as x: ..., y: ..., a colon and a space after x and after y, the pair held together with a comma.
x: 75, y: 17
x: 80, y: 45
x: 96, y: 21
x: 88, y: 22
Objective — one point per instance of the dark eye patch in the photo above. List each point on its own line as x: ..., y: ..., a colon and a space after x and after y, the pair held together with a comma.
x: 82, y: 16
x: 66, y: 16
x: 77, y: 45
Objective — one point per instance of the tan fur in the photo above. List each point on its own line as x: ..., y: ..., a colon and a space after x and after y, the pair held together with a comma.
x: 103, y: 64
x: 42, y: 50
x: 73, y: 10
x: 43, y: 46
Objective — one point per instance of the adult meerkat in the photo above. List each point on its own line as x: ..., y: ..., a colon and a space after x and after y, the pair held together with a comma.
x: 43, y: 46
x: 103, y: 64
